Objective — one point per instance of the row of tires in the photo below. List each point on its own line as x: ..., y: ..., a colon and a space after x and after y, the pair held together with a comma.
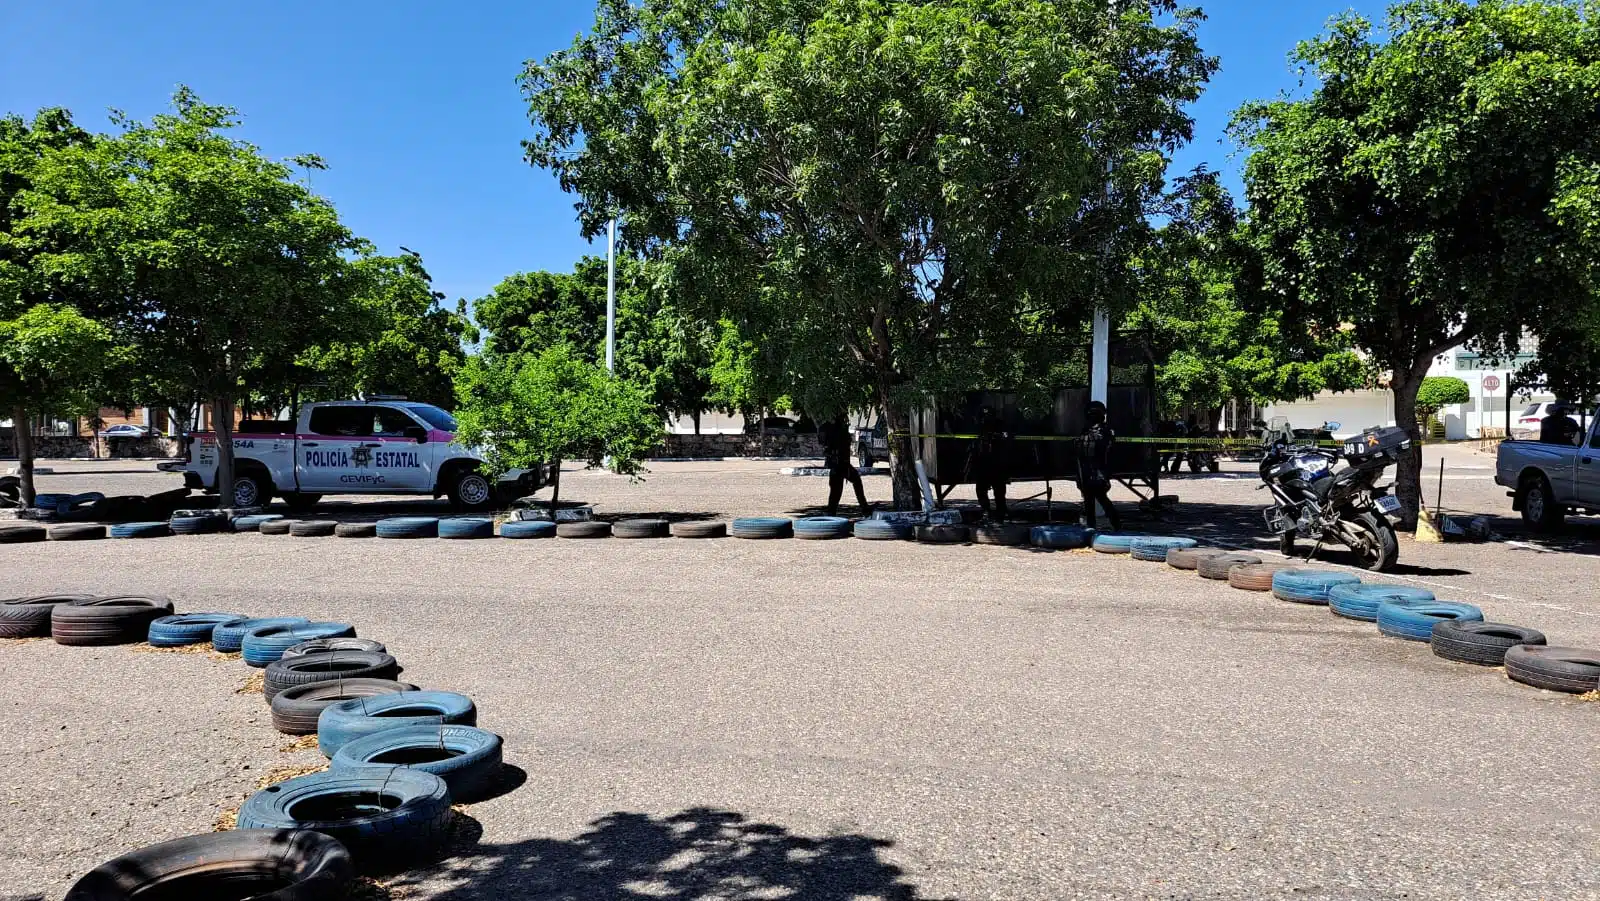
x: 1454, y: 631
x: 398, y: 756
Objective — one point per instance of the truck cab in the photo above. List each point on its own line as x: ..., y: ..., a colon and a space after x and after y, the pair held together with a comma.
x: 1550, y: 481
x: 353, y: 447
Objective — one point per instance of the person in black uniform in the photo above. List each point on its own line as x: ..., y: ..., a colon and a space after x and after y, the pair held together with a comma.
x: 835, y: 437
x: 990, y: 464
x: 1559, y: 427
x: 1094, y: 467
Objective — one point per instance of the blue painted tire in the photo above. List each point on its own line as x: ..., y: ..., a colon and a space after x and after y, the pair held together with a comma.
x: 1154, y: 550
x: 410, y: 825
x: 346, y: 721
x: 466, y: 527
x: 527, y: 528
x: 141, y: 530
x: 822, y: 528
x: 1114, y: 544
x: 54, y: 503
x: 197, y: 525
x: 1308, y: 586
x: 883, y: 530
x: 1414, y: 620
x: 408, y: 527
x: 187, y: 628
x: 253, y: 523
x: 229, y: 637
x: 265, y: 646
x: 1361, y: 602
x: 763, y: 527
x: 466, y: 758
x: 1064, y: 537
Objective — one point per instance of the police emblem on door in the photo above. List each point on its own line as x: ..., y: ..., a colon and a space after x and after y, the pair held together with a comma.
x: 361, y: 456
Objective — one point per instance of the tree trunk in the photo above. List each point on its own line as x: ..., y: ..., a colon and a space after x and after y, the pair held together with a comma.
x: 696, y: 418
x: 555, y: 489
x: 902, y: 468
x: 24, y: 440
x: 222, y: 426
x: 1408, y: 474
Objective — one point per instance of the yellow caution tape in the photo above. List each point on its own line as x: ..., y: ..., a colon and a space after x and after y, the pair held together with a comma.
x: 1214, y: 443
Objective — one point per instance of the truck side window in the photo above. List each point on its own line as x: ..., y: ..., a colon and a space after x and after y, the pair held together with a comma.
x: 342, y: 422
x: 390, y: 423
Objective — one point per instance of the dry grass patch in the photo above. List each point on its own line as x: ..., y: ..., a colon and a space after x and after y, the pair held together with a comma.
x: 1591, y: 696
x: 255, y: 684
x: 301, y: 743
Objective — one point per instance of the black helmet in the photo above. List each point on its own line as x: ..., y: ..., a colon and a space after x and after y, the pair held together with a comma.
x: 1096, y: 406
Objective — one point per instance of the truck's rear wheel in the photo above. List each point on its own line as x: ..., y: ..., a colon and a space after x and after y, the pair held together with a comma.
x: 471, y: 490
x: 1539, y: 507
x: 251, y: 489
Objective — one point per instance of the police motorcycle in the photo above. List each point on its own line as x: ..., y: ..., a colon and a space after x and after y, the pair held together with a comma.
x: 1315, y: 498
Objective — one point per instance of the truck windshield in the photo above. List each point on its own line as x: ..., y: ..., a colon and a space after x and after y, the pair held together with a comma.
x: 434, y: 417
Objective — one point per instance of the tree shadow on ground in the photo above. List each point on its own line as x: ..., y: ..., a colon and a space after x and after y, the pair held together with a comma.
x: 698, y: 853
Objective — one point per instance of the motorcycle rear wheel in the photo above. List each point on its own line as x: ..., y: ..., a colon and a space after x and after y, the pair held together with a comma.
x: 1381, y: 546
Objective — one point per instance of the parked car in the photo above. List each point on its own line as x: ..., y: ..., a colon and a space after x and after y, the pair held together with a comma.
x: 872, y: 445
x: 1527, y: 423
x: 126, y: 430
x: 1550, y: 481
x: 355, y: 447
x: 772, y: 425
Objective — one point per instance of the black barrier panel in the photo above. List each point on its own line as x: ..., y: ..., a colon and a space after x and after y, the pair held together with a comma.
x: 950, y: 461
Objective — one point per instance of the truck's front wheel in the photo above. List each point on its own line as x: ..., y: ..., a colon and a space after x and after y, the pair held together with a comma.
x: 1539, y: 507
x: 471, y: 490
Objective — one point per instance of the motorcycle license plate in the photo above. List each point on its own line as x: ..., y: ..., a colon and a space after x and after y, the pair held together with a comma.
x: 1389, y: 504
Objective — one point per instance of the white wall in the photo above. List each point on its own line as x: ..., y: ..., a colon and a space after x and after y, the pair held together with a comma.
x: 1353, y: 410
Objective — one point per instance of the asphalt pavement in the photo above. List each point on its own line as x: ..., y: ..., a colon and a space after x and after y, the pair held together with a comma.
x: 846, y: 720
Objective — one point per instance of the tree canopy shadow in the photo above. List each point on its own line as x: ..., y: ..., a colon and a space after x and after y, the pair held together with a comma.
x: 701, y: 853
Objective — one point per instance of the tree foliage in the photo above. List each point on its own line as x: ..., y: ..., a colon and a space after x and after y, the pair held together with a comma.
x: 903, y: 186
x: 528, y: 408
x: 214, y: 261
x: 51, y: 358
x: 1441, y: 391
x: 402, y: 340
x: 1439, y: 184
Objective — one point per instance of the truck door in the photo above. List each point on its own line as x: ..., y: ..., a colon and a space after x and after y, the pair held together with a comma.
x: 397, y: 456
x: 335, y: 457
x: 1587, y: 479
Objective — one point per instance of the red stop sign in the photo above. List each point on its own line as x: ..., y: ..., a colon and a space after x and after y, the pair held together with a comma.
x: 1491, y: 383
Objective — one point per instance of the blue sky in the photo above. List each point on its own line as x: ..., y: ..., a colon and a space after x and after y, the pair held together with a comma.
x: 415, y: 105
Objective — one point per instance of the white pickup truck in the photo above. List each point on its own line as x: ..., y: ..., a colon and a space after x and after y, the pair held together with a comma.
x: 1548, y: 481
x: 354, y: 447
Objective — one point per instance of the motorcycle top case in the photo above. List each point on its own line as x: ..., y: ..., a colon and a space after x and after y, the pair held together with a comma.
x: 1385, y: 443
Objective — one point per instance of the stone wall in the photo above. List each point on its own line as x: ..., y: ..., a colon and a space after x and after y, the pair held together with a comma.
x: 702, y: 447
x: 57, y: 448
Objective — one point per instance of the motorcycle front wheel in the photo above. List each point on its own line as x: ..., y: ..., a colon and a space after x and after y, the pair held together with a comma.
x: 1379, y: 547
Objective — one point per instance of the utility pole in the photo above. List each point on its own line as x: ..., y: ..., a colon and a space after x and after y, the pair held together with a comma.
x: 611, y: 298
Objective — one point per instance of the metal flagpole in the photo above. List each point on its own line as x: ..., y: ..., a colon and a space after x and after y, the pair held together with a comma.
x: 611, y: 298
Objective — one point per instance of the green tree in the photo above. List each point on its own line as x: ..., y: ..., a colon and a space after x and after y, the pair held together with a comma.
x: 214, y: 261
x: 403, y: 341
x: 1439, y: 391
x: 893, y: 182
x: 1207, y: 330
x: 1435, y: 186
x: 550, y: 406
x: 51, y: 358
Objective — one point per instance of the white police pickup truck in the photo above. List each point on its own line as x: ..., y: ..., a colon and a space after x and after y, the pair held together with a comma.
x: 354, y: 447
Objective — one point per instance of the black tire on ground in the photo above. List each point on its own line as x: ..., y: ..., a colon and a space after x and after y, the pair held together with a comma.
x: 21, y: 534
x: 78, y: 531
x: 1189, y: 557
x: 276, y: 526
x: 1573, y: 670
x: 640, y: 528
x: 298, y: 865
x: 1007, y: 534
x: 301, y: 502
x: 112, y: 620
x: 295, y: 710
x: 30, y: 616
x: 312, y: 528
x: 328, y: 666
x: 1540, y: 510
x: 699, y: 530
x: 593, y: 528
x: 356, y: 530
x: 1484, y: 644
x: 1218, y: 567
x: 940, y: 534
